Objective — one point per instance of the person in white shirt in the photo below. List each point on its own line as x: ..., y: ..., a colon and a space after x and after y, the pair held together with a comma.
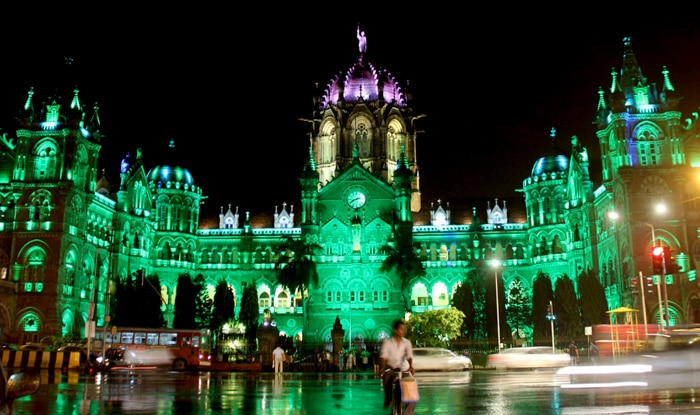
x: 396, y: 353
x: 278, y: 357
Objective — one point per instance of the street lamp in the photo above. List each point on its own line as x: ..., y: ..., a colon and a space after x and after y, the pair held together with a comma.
x: 495, y: 264
x: 659, y: 208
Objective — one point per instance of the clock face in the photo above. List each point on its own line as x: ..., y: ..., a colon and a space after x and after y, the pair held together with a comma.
x: 356, y: 198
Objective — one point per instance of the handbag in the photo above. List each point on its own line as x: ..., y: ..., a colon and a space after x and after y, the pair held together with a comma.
x: 409, y: 390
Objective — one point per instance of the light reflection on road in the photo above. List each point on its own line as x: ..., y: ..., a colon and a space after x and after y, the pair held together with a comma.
x: 522, y: 392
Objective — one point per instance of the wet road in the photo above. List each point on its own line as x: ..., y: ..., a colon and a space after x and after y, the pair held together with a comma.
x: 477, y: 392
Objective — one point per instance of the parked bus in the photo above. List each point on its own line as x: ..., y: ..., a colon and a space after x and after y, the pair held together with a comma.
x: 189, y: 348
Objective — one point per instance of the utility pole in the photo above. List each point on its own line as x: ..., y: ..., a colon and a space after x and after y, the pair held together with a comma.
x: 551, y: 317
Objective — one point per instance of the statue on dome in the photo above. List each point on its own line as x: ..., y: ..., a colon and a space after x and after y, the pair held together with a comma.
x: 362, y: 39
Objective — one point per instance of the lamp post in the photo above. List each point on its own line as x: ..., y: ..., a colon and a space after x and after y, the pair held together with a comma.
x: 495, y: 265
x: 551, y: 318
x: 90, y: 324
x: 659, y: 208
x: 643, y: 291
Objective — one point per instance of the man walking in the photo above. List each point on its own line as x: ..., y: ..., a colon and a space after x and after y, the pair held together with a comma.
x: 278, y: 358
x: 573, y: 353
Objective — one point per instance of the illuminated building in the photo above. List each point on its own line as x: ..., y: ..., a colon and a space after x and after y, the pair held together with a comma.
x: 64, y: 230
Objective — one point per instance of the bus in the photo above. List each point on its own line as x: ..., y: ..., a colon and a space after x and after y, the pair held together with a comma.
x: 189, y: 348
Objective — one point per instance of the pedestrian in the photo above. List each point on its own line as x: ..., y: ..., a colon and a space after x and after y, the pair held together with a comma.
x: 278, y: 358
x: 375, y: 360
x: 396, y: 353
x: 573, y: 353
x: 350, y: 363
x: 593, y: 353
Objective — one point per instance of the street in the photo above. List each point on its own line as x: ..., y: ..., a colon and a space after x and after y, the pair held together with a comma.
x: 478, y: 392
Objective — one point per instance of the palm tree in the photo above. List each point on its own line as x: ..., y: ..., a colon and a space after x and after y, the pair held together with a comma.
x: 295, y: 266
x: 404, y: 262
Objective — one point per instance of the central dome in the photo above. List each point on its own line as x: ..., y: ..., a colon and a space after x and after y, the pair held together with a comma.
x: 364, y: 81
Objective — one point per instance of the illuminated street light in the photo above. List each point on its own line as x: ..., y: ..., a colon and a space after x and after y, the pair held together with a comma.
x: 659, y: 208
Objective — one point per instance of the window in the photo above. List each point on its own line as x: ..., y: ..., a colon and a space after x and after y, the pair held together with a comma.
x: 264, y: 300
x: 282, y: 299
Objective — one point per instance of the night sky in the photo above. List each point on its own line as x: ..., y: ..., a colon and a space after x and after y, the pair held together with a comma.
x: 229, y: 90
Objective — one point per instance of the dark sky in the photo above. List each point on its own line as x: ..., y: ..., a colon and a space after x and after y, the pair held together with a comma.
x: 230, y: 89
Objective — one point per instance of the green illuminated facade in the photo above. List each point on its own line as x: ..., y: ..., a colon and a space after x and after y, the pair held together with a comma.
x: 64, y: 231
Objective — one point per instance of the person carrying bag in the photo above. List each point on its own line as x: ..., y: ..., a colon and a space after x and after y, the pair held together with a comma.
x: 409, y: 390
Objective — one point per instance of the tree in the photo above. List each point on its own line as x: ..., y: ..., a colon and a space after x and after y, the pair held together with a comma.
x: 138, y: 302
x: 434, y: 328
x: 185, y: 303
x: 124, y: 304
x: 295, y: 266
x: 249, y: 314
x: 149, y: 302
x: 404, y: 262
x: 566, y: 309
x: 203, y: 303
x: 463, y: 300
x: 518, y: 308
x: 224, y: 307
x: 542, y: 294
x: 594, y: 305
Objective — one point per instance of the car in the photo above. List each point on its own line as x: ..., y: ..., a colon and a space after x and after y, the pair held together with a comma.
x: 73, y: 348
x: 439, y: 359
x: 670, y: 361
x: 8, y: 346
x: 137, y: 358
x: 36, y: 347
x: 76, y: 348
x: 532, y: 357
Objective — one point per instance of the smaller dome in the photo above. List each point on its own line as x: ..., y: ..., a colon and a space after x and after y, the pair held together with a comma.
x: 165, y: 174
x: 551, y: 164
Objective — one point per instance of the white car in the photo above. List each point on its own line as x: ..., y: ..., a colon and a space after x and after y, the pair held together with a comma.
x: 436, y: 358
x: 528, y: 358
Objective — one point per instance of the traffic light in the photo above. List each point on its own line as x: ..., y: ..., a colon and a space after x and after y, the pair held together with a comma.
x: 550, y: 312
x: 657, y: 260
x: 634, y: 284
x: 650, y: 284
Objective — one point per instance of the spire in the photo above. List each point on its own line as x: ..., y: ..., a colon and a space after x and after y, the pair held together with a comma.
x: 667, y: 81
x: 95, y: 122
x: 617, y: 95
x: 669, y: 98
x: 403, y: 173
x: 601, y: 100
x: 553, y: 139
x: 630, y: 72
x: 75, y: 103
x: 309, y: 170
x: 29, y: 104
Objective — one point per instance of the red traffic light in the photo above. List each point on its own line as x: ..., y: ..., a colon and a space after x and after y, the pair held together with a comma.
x: 658, y: 260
